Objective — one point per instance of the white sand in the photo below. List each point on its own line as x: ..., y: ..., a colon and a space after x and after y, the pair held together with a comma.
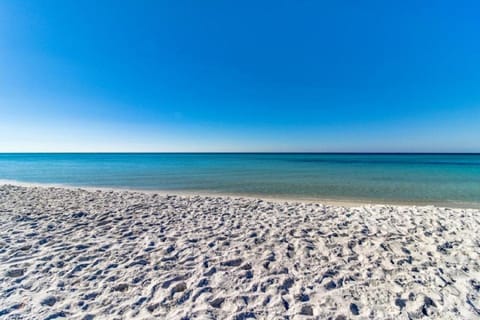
x: 82, y: 254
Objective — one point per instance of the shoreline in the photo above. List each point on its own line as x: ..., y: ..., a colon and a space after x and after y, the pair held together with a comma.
x: 352, y: 203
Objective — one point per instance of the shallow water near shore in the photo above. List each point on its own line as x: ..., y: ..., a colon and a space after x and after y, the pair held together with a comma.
x: 447, y: 179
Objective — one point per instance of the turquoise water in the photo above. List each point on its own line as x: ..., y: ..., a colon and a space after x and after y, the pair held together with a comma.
x: 406, y: 178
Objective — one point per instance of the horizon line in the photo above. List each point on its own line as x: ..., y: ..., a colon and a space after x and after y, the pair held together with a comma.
x: 239, y: 152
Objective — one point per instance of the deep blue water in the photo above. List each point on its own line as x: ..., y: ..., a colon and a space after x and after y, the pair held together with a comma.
x: 415, y: 178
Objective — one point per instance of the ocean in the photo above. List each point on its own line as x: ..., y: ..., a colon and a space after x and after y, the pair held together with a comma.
x: 377, y: 178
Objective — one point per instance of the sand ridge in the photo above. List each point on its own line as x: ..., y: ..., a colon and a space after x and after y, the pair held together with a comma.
x: 81, y: 254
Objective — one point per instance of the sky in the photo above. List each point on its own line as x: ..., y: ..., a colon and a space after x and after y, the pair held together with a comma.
x: 239, y: 76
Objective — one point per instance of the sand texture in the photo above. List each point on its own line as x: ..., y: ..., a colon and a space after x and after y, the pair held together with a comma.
x: 78, y: 254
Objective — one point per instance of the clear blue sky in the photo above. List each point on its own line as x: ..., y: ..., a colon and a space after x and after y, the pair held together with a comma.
x: 240, y: 76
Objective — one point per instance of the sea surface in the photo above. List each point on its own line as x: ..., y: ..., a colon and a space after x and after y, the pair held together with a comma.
x: 383, y: 178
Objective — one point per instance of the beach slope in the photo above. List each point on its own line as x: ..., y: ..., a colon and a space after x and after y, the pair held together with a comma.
x: 82, y: 254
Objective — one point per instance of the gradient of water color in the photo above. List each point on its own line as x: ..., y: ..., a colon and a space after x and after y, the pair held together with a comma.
x: 404, y: 178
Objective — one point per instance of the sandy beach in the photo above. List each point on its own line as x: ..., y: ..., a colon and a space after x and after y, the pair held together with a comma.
x: 83, y: 254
